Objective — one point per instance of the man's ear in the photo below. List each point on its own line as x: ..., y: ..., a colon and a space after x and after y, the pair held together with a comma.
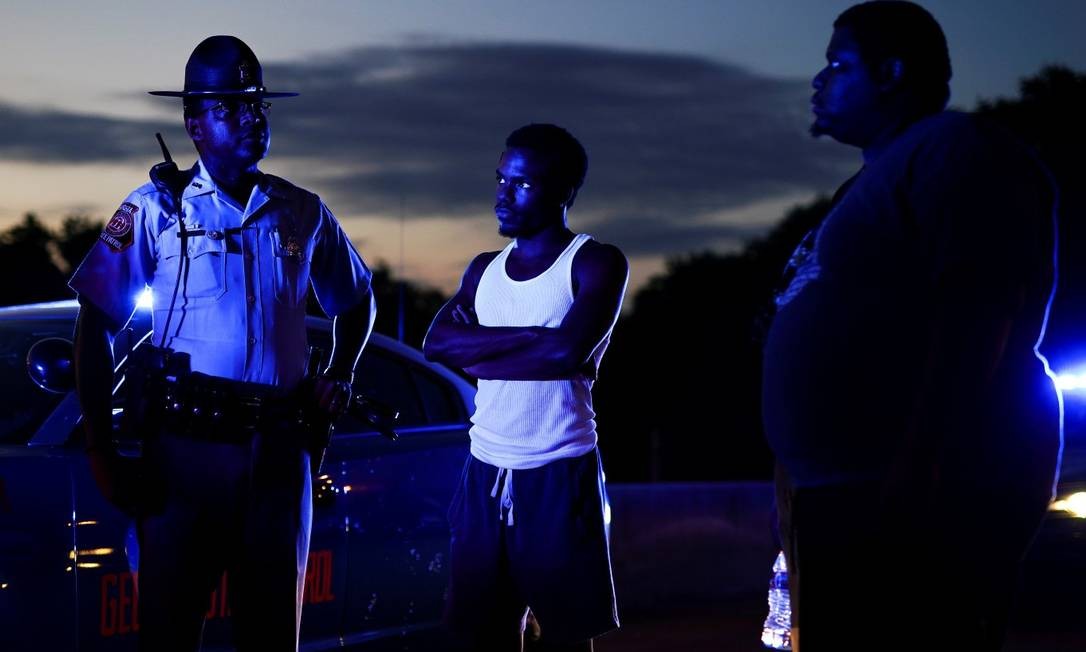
x: 569, y: 198
x: 891, y: 74
x: 194, y: 129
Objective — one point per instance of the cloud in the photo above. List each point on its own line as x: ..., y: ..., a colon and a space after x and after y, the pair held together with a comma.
x: 671, y: 139
x: 56, y: 136
x: 640, y: 234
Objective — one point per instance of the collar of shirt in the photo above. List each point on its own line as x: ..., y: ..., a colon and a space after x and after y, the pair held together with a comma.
x: 267, y: 186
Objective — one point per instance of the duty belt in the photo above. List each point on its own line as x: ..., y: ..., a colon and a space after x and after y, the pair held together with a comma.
x: 222, y: 410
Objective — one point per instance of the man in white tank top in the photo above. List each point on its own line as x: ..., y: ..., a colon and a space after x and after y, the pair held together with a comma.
x: 531, y: 322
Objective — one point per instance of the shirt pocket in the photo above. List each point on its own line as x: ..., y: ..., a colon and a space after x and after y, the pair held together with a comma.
x: 204, y: 275
x: 290, y: 269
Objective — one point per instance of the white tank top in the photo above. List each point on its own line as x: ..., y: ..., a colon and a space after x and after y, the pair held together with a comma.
x: 524, y: 424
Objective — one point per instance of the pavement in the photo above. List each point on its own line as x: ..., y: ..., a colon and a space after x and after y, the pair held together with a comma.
x: 693, y: 562
x: 736, y: 627
x: 732, y: 627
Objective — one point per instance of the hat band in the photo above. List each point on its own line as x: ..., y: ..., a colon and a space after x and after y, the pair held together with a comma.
x: 227, y: 91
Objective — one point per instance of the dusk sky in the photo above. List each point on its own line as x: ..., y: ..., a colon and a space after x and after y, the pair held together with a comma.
x: 694, y: 112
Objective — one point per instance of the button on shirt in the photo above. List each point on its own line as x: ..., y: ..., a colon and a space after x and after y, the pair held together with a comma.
x: 241, y: 274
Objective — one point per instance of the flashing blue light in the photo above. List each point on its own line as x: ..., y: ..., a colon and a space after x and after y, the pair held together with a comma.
x: 1071, y: 382
x: 144, y: 302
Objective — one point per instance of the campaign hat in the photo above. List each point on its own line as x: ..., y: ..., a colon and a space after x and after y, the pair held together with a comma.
x: 223, y: 66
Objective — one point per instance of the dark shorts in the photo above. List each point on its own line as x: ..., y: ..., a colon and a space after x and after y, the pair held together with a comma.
x: 553, y: 558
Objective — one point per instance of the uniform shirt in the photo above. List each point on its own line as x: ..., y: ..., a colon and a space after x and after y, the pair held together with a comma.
x: 524, y: 424
x: 847, y: 353
x: 240, y: 300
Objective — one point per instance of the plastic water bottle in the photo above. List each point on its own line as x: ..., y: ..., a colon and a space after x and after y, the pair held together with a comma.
x: 777, y: 630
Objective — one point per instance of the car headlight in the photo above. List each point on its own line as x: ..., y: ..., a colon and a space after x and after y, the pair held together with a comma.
x: 1073, y: 504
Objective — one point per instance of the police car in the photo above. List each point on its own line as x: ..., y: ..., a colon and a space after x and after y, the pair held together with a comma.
x: 379, y: 551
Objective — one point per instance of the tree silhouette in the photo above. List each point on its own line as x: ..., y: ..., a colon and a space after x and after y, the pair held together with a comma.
x: 395, y: 297
x: 76, y: 236
x: 1049, y: 115
x: 683, y: 377
x: 29, y: 253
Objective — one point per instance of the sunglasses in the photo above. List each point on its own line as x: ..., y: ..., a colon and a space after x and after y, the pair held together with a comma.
x: 227, y: 109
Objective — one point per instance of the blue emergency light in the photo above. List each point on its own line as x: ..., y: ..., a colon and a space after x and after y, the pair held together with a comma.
x: 144, y: 300
x: 1071, y: 381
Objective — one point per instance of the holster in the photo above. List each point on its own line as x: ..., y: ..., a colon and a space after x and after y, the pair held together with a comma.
x: 316, y: 424
x: 151, y: 373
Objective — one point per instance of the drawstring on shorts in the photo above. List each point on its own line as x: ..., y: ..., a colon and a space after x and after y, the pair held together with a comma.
x: 505, y: 501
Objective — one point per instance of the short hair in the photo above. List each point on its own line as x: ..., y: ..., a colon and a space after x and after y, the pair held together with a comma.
x: 885, y: 29
x: 554, y: 141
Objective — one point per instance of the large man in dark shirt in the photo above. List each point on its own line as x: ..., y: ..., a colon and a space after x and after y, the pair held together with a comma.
x: 903, y: 396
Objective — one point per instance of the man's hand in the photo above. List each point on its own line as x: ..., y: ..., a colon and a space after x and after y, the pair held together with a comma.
x: 350, y: 331
x: 331, y: 395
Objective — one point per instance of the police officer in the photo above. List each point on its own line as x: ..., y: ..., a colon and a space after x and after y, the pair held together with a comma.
x: 229, y: 253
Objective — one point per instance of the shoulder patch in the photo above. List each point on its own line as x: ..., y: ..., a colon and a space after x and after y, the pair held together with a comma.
x: 118, y: 233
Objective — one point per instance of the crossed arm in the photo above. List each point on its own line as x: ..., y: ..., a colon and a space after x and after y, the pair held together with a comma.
x: 600, y: 273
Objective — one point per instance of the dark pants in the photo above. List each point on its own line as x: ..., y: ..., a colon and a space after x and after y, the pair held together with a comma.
x: 240, y: 509
x: 871, y: 581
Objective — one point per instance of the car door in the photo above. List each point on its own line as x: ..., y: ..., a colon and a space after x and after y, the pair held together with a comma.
x: 41, y: 558
x: 393, y: 495
x: 38, y: 585
x: 104, y: 560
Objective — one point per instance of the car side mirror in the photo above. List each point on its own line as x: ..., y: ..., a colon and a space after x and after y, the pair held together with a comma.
x: 49, y: 365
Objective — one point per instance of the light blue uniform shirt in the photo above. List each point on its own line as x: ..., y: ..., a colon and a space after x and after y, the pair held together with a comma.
x: 241, y: 298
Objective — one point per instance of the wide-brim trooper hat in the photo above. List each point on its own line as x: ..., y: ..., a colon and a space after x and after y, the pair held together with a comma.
x: 223, y: 66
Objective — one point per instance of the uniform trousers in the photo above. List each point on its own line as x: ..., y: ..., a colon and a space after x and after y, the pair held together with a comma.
x: 243, y: 509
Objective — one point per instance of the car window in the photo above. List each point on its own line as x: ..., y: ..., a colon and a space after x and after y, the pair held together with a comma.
x: 439, y: 399
x: 383, y: 376
x: 421, y: 396
x: 380, y: 375
x: 24, y: 405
